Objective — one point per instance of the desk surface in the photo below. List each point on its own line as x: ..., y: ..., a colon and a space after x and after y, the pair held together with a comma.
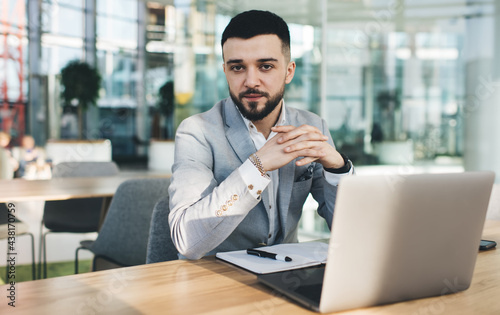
x: 63, y: 188
x: 208, y: 286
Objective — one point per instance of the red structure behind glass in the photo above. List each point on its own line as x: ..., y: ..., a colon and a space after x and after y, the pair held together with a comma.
x: 12, y: 35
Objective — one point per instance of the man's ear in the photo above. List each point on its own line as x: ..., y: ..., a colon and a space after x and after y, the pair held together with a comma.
x: 290, y: 72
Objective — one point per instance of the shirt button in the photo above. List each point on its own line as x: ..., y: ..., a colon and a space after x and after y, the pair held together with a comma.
x: 269, y: 236
x: 259, y: 192
x: 250, y: 187
x: 270, y: 207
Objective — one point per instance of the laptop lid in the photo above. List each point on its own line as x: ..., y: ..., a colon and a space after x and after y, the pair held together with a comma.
x: 403, y: 237
x: 395, y: 238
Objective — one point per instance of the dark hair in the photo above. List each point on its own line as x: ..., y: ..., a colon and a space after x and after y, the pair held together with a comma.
x: 254, y: 22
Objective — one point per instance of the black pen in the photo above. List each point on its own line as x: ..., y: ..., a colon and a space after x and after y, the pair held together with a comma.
x: 262, y: 253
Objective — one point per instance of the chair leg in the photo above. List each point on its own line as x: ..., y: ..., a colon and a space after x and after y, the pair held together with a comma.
x: 76, y: 259
x: 44, y: 263
x: 40, y: 249
x: 33, y: 263
x: 7, y: 267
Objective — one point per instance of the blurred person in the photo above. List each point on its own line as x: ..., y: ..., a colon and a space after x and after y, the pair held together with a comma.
x: 8, y: 164
x: 30, y: 158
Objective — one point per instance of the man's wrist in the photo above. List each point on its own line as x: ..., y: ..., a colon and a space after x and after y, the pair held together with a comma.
x: 258, y: 164
x: 344, y: 169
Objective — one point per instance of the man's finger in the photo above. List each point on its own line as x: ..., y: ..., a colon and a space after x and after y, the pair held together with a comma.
x: 295, y: 132
x: 305, y: 161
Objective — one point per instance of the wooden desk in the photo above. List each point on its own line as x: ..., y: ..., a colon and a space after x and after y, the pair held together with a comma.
x: 63, y: 188
x: 208, y: 286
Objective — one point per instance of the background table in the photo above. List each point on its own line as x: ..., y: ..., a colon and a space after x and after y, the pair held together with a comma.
x: 208, y: 286
x: 63, y: 188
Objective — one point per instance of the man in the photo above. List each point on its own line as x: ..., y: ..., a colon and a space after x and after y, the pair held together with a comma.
x: 244, y: 168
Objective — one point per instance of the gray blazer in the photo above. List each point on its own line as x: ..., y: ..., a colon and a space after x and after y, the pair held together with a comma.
x: 209, y: 148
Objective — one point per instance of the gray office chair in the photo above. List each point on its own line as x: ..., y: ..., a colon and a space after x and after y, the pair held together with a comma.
x: 75, y: 215
x: 160, y: 246
x: 21, y: 228
x: 123, y: 237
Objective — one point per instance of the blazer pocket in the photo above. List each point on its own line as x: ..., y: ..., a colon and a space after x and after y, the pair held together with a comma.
x: 306, y: 174
x: 300, y: 191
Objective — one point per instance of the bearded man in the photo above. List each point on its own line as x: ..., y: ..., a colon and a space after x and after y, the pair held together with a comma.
x: 244, y: 168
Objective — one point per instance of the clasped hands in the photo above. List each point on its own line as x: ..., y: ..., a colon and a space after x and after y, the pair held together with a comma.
x: 292, y: 142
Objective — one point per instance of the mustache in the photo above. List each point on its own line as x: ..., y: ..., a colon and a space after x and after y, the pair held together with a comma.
x: 253, y: 91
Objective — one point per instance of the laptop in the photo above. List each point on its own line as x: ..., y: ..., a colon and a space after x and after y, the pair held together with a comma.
x: 395, y: 238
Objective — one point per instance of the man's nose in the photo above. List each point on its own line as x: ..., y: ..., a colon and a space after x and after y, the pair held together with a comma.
x: 252, y: 78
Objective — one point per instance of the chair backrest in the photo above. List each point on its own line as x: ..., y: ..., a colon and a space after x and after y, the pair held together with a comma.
x: 123, y: 237
x: 160, y: 246
x: 77, y: 215
x: 85, y: 169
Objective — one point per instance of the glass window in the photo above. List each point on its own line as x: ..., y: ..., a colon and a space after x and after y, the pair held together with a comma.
x: 117, y: 31
x: 62, y: 20
x: 119, y: 75
x: 387, y: 87
x: 125, y: 9
x: 54, y: 58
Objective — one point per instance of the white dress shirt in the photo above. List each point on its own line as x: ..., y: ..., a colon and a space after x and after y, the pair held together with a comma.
x: 262, y: 185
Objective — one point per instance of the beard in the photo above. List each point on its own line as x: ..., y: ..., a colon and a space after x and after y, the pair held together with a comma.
x: 252, y: 113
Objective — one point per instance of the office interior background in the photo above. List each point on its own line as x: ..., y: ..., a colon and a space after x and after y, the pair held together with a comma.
x: 400, y: 82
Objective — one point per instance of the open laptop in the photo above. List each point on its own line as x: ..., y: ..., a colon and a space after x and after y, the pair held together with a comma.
x: 395, y: 238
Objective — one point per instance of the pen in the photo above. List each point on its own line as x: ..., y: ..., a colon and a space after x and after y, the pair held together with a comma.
x: 262, y: 253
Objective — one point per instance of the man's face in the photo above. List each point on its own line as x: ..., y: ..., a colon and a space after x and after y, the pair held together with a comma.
x: 256, y: 72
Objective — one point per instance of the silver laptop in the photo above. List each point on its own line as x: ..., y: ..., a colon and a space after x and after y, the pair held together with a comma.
x: 395, y: 238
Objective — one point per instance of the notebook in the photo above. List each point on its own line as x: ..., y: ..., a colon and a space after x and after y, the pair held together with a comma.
x: 395, y: 238
x: 302, y: 255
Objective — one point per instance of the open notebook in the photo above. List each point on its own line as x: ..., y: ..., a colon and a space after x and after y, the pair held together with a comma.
x: 302, y: 254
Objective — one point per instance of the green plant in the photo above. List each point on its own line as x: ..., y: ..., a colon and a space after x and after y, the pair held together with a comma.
x: 390, y: 105
x: 81, y: 83
x: 166, y: 107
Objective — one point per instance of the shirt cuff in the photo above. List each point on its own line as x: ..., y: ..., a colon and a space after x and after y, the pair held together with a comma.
x: 255, y: 182
x: 333, y: 178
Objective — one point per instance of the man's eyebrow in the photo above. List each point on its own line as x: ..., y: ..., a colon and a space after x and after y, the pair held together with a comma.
x: 230, y: 61
x: 234, y: 61
x: 267, y: 60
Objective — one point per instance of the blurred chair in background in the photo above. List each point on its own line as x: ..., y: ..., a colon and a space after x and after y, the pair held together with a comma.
x: 160, y: 246
x: 21, y: 228
x: 74, y: 215
x: 123, y: 238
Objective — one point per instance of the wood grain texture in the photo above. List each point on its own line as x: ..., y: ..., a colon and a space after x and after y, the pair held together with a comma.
x: 62, y: 188
x: 208, y: 286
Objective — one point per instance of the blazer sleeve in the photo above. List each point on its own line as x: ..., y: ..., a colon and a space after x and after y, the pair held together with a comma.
x: 203, y: 212
x: 323, y: 192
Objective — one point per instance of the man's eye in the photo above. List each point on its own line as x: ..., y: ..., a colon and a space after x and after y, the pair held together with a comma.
x: 236, y: 68
x: 267, y: 67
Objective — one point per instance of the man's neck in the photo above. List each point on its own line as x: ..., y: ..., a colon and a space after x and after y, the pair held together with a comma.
x: 264, y: 125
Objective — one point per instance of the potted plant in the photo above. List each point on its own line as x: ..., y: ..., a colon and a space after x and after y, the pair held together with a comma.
x: 390, y: 144
x: 81, y: 83
x: 161, y: 150
x: 166, y: 109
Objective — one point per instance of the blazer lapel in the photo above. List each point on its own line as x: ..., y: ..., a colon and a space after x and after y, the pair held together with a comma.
x: 236, y: 132
x: 286, y: 178
x: 238, y: 137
